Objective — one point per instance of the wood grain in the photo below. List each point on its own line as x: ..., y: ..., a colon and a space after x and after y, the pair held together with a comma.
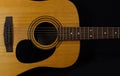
x: 23, y: 13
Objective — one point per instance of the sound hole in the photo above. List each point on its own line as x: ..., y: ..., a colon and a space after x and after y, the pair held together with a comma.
x: 45, y: 33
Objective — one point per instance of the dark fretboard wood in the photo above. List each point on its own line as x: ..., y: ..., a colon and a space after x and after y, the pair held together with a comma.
x: 86, y: 33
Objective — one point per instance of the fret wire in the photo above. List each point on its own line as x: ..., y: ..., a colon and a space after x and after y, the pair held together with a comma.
x: 72, y: 33
x: 113, y: 31
x: 84, y: 32
x: 110, y: 32
x: 94, y: 28
x: 107, y: 32
x: 76, y: 33
x: 66, y: 32
x: 63, y: 32
x: 79, y: 33
x: 93, y: 31
x: 97, y: 32
x: 69, y: 33
x: 88, y: 32
x: 102, y: 32
x: 118, y: 31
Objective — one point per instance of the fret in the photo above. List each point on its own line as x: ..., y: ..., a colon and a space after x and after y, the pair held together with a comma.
x: 90, y: 33
x: 66, y: 33
x: 95, y: 33
x: 105, y: 32
x: 73, y: 34
x: 119, y: 32
x: 69, y: 34
x: 86, y: 33
x: 82, y: 32
x: 63, y: 33
x: 110, y: 32
x: 78, y: 33
x: 100, y: 33
x: 116, y: 35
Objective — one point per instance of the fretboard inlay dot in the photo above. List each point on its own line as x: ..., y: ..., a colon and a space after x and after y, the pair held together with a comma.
x: 91, y: 35
x: 115, y: 32
x: 90, y: 30
x: 105, y: 33
x: 81, y: 33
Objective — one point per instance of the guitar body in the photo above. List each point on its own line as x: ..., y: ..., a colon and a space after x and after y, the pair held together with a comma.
x: 24, y: 14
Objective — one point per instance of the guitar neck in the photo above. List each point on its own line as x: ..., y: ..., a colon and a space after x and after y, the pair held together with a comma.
x: 87, y: 33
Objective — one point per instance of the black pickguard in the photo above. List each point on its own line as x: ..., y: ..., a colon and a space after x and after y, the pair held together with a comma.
x: 27, y: 52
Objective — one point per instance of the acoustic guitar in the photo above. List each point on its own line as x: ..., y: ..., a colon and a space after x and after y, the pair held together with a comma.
x: 42, y: 34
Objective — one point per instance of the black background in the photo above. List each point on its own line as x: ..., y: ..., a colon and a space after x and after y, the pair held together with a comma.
x: 97, y: 57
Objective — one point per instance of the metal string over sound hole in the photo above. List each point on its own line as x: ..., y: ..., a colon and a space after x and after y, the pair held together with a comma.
x: 45, y: 33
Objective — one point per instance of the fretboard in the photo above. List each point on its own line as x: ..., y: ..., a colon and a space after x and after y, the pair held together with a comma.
x: 86, y: 33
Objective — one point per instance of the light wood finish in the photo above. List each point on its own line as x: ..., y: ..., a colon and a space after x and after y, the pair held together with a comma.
x: 24, y: 12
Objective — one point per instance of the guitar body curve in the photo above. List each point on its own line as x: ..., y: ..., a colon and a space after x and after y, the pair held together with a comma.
x: 23, y: 13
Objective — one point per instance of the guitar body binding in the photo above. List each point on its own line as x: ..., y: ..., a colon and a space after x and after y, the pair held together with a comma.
x: 27, y: 17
